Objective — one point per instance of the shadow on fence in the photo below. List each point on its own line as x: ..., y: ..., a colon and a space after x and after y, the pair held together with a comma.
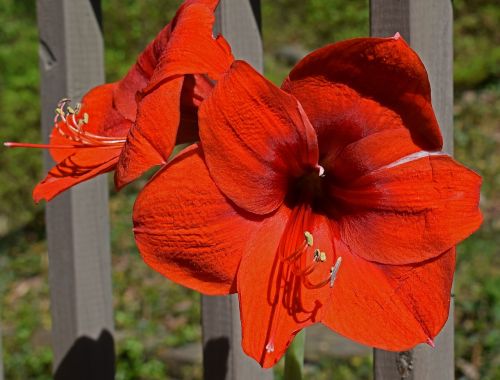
x: 89, y: 359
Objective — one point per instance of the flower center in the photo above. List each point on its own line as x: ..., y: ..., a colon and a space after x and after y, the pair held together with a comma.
x: 310, y: 188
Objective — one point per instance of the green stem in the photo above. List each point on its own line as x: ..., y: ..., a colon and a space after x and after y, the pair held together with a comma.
x: 294, y: 358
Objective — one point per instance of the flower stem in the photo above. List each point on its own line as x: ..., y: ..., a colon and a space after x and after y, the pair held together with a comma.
x: 294, y: 358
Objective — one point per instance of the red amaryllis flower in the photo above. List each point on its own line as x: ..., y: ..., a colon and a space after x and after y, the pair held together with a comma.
x: 328, y: 202
x: 131, y: 125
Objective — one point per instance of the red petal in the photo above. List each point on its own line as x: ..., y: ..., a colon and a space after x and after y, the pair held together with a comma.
x: 410, y: 212
x: 274, y: 305
x: 192, y: 49
x: 152, y: 138
x: 390, y: 307
x: 370, y: 153
x: 360, y: 135
x: 187, y: 230
x: 141, y: 72
x: 82, y: 166
x: 256, y: 138
x: 383, y: 69
x: 126, y: 92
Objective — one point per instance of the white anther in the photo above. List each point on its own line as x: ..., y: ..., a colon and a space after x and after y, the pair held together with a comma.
x: 334, y: 271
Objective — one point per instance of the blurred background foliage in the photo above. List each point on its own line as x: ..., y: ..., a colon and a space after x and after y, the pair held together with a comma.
x: 154, y: 316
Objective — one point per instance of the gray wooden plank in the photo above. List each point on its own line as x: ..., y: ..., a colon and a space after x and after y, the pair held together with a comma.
x: 71, y: 62
x: 321, y: 343
x: 239, y: 24
x: 223, y: 358
x: 427, y: 26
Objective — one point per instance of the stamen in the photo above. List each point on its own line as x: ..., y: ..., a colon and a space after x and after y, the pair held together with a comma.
x: 308, y: 242
x: 72, y: 129
x: 319, y: 255
x: 306, y: 271
x: 334, y: 270
x: 309, y: 238
x: 309, y: 285
x: 297, y: 252
x: 330, y: 280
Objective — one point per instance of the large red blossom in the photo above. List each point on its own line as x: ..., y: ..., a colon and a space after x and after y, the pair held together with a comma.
x: 326, y: 201
x: 131, y: 125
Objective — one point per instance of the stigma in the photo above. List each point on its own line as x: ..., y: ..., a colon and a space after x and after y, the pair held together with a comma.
x: 270, y: 347
x: 321, y: 170
x: 334, y: 270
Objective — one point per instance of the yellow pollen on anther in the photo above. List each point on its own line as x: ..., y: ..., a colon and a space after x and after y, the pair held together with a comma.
x: 319, y: 255
x: 309, y: 238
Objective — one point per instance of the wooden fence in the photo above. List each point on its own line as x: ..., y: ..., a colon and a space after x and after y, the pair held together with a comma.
x: 71, y: 61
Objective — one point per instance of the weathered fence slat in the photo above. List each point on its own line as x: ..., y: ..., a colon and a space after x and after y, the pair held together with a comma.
x: 427, y: 26
x: 223, y: 358
x: 71, y: 61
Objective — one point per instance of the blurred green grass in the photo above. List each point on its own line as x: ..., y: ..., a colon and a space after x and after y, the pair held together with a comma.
x: 152, y: 314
